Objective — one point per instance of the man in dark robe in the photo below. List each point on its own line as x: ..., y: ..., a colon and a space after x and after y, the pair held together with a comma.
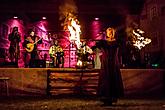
x: 14, y: 49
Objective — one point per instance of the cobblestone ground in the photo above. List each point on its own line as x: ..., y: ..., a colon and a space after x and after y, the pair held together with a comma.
x: 79, y: 104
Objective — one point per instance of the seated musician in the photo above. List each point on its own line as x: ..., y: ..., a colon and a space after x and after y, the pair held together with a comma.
x: 83, y: 53
x: 57, y: 55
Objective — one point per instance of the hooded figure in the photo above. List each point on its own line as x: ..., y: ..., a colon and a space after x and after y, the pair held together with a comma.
x: 14, y: 49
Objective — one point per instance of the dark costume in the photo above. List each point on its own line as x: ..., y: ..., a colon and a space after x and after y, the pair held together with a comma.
x: 34, y: 53
x: 110, y: 81
x: 14, y: 48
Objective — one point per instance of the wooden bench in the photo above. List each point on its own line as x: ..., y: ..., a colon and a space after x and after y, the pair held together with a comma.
x: 5, y: 80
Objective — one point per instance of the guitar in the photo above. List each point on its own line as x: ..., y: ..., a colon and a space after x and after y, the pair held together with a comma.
x: 30, y: 46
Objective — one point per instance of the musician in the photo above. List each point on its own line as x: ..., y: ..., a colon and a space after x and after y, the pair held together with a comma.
x: 30, y: 44
x: 14, y: 49
x: 83, y: 53
x: 57, y: 54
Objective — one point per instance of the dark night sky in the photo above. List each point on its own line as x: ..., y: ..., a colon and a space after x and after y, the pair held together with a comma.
x: 133, y: 5
x: 87, y: 9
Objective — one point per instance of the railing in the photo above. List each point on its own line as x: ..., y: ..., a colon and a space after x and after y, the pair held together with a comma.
x: 72, y: 81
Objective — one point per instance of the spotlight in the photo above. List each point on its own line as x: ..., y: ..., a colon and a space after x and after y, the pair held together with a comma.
x: 44, y: 17
x: 15, y: 17
x: 96, y: 18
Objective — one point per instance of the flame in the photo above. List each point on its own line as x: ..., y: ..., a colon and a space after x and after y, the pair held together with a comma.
x: 74, y: 29
x: 140, y: 41
x: 79, y: 63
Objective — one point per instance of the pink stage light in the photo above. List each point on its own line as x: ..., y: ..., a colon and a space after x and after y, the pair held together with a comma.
x: 95, y: 28
x: 15, y: 17
x: 96, y: 19
x: 43, y: 17
x: 43, y: 24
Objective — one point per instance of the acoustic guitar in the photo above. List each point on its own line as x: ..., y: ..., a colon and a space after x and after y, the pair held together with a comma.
x: 30, y: 46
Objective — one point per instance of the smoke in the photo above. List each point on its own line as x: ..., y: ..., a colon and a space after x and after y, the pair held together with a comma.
x: 67, y: 8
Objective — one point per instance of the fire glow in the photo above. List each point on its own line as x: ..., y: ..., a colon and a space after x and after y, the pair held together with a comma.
x: 74, y: 29
x: 140, y: 41
x: 79, y: 63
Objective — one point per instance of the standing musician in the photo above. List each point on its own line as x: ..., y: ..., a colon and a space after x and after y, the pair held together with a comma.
x: 30, y: 44
x: 57, y: 54
x: 14, y: 48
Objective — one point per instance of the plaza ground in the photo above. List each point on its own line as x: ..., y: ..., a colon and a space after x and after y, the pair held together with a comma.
x: 79, y: 103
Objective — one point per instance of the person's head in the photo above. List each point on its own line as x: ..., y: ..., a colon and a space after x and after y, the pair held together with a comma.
x: 110, y: 34
x: 56, y: 42
x: 84, y: 43
x: 31, y: 32
x: 15, y: 29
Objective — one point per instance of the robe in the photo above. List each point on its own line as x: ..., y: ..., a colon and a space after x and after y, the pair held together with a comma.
x: 110, y: 81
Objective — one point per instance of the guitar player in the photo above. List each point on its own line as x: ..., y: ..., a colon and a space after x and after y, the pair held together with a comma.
x: 30, y: 44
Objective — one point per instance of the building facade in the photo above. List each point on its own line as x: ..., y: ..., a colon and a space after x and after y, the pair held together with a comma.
x: 152, y: 21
